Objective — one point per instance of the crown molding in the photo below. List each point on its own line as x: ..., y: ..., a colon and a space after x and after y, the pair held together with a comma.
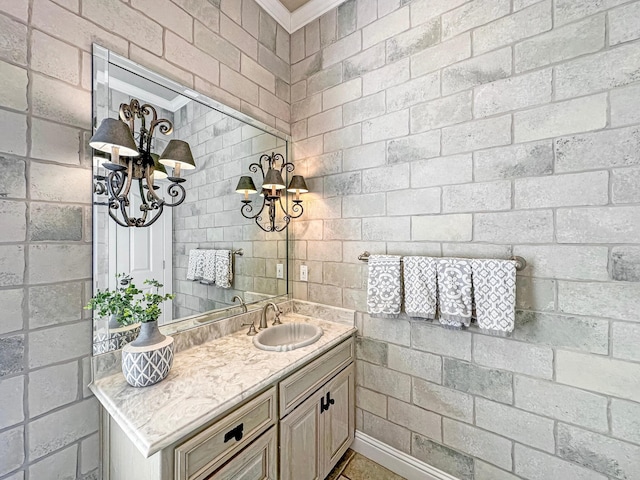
x: 310, y: 11
x: 292, y: 21
x: 278, y: 11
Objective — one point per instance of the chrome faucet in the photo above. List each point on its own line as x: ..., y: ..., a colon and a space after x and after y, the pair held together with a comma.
x: 242, y: 304
x: 276, y: 320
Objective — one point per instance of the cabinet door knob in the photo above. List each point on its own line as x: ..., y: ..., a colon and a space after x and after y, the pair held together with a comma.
x: 234, y: 433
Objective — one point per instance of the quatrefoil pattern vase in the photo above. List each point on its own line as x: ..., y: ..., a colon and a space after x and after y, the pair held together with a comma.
x: 149, y: 358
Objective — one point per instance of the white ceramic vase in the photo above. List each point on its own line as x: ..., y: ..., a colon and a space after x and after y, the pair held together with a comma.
x: 148, y: 359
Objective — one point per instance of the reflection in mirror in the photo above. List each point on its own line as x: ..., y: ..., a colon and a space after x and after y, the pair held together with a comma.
x: 207, y: 225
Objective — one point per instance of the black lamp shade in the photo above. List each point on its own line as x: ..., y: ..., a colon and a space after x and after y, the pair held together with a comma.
x: 178, y: 151
x: 297, y: 185
x: 114, y: 133
x: 246, y: 185
x: 273, y: 180
x: 159, y: 172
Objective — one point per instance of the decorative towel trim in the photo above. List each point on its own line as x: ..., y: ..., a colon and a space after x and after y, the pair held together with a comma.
x: 494, y: 286
x: 384, y: 288
x: 420, y: 287
x: 454, y: 290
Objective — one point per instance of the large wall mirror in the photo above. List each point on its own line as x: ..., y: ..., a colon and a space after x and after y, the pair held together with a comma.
x: 224, y: 143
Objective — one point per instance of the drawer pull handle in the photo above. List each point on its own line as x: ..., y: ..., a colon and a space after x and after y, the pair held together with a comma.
x: 235, y: 433
x: 325, y: 406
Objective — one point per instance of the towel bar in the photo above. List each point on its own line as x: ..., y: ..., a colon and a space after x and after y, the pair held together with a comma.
x: 239, y: 252
x: 521, y: 263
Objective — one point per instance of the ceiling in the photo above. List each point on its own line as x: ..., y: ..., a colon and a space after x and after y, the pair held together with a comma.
x: 294, y: 14
x: 145, y: 90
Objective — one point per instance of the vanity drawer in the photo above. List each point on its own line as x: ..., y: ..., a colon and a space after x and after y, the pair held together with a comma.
x: 207, y: 451
x: 297, y: 387
x: 259, y: 461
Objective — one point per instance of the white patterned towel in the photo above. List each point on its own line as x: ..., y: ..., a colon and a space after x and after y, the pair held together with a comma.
x: 224, y: 273
x: 384, y: 291
x: 454, y: 290
x: 196, y: 265
x: 494, y: 288
x: 420, y: 287
x: 208, y: 267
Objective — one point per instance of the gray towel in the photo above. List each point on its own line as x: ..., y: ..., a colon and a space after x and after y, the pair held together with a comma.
x: 420, y: 287
x: 454, y: 290
x: 196, y: 264
x: 494, y: 290
x: 384, y: 291
x: 224, y: 273
x: 208, y: 267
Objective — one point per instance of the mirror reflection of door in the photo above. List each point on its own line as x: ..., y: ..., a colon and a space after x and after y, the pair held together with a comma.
x: 145, y: 253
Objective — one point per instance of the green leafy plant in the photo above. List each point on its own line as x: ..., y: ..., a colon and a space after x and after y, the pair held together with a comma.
x: 148, y: 308
x: 119, y: 302
x: 122, y: 301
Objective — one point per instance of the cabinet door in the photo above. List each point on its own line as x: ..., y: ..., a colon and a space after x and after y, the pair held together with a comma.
x: 339, y: 419
x: 301, y: 447
x: 256, y: 462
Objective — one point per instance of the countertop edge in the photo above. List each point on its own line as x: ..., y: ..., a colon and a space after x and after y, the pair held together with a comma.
x: 147, y: 450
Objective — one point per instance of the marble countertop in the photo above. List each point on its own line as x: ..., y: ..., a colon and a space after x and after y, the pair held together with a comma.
x: 205, y: 382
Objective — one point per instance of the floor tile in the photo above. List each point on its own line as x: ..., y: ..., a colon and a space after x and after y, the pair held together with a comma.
x: 340, y: 466
x: 362, y: 468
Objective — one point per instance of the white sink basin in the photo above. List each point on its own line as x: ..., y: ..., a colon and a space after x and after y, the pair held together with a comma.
x: 286, y: 337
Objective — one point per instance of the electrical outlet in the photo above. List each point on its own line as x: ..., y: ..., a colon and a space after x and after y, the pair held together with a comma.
x: 279, y: 270
x: 304, y: 273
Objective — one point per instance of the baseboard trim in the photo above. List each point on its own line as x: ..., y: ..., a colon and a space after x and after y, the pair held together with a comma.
x: 395, y: 460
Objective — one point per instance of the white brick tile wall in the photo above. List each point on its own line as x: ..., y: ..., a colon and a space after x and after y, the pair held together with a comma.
x: 45, y: 113
x: 561, y: 44
x: 477, y: 443
x: 526, y: 23
x: 448, y: 110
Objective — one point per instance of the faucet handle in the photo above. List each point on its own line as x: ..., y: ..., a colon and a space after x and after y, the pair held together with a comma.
x: 252, y: 329
x: 276, y: 320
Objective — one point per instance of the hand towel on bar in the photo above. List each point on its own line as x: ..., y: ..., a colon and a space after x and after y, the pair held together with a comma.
x: 224, y: 274
x: 420, y: 287
x: 196, y: 265
x: 494, y: 289
x: 384, y: 291
x: 454, y: 291
x: 209, y: 267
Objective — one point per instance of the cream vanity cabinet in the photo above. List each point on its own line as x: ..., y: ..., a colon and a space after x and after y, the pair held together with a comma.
x: 297, y: 429
x: 315, y: 433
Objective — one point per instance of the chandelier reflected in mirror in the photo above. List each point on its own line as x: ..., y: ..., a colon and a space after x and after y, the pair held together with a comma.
x: 277, y: 217
x: 130, y: 162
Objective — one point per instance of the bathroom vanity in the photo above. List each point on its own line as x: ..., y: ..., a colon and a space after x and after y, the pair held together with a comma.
x: 228, y: 410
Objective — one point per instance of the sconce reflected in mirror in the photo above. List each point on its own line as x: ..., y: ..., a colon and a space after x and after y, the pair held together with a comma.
x: 273, y: 191
x: 136, y: 162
